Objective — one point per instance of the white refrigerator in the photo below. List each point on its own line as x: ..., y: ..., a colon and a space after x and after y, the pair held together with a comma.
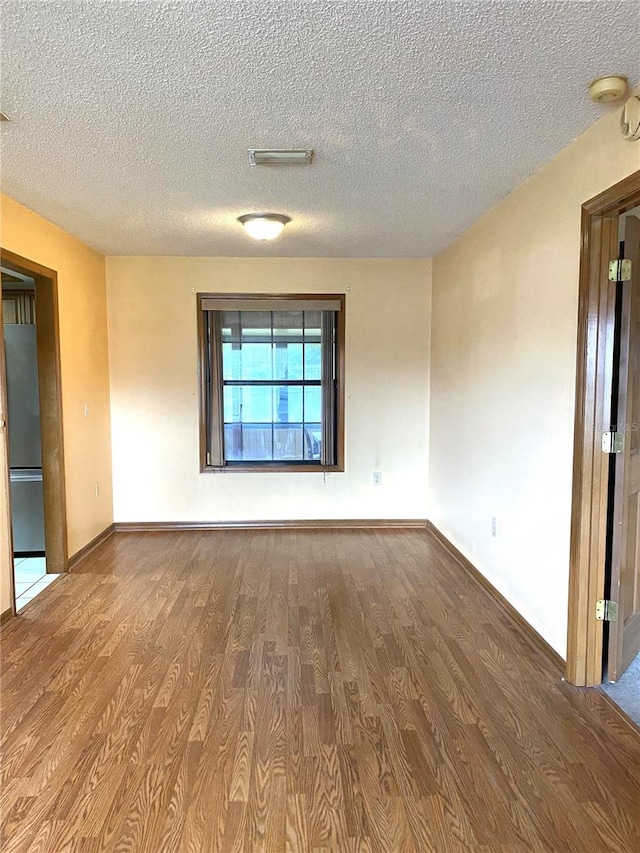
x: 25, y: 448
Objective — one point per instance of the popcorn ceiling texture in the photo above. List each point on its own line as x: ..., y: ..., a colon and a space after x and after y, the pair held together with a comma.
x: 130, y: 120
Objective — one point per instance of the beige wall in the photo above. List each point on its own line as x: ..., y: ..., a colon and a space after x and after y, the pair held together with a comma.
x: 503, y: 373
x: 84, y: 363
x: 154, y: 402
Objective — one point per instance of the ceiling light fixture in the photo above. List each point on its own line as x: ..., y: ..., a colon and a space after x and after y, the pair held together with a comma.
x: 280, y: 156
x: 264, y: 226
x: 4, y: 117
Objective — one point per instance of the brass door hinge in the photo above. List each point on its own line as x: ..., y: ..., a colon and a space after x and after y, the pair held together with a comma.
x: 612, y: 442
x: 606, y: 611
x: 620, y: 270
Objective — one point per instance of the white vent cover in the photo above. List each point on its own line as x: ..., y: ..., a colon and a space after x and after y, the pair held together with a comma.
x: 280, y: 156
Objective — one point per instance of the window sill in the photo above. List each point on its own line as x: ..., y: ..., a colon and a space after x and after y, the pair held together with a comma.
x: 271, y: 468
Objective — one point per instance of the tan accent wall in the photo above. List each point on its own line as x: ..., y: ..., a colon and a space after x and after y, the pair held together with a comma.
x: 154, y: 400
x: 84, y: 363
x: 505, y: 303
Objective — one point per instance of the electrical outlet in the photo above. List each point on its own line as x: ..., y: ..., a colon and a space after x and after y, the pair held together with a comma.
x: 377, y: 478
x: 494, y: 527
x: 86, y: 410
x: 97, y: 490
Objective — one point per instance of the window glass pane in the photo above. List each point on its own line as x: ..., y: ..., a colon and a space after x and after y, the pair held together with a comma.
x: 256, y: 326
x: 287, y: 361
x: 232, y: 403
x: 246, y: 361
x: 248, y: 442
x: 246, y: 345
x: 255, y: 361
x: 313, y: 421
x: 313, y: 405
x: 231, y: 361
x: 287, y: 403
x: 233, y: 442
x: 313, y: 441
x: 287, y: 327
x: 312, y: 361
x: 230, y: 325
x: 287, y: 339
x: 312, y: 327
x: 288, y: 443
x: 248, y: 404
x: 312, y: 345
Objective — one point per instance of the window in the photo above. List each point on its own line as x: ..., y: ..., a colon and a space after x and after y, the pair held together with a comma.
x: 271, y: 384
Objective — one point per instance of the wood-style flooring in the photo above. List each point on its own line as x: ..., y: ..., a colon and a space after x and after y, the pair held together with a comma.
x: 311, y: 690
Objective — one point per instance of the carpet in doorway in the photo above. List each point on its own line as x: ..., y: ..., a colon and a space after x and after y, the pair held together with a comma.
x: 626, y: 691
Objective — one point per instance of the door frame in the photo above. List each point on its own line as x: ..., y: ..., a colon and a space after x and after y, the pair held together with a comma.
x: 50, y: 395
x: 594, y: 368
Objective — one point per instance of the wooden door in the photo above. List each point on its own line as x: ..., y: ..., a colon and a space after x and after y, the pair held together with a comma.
x: 624, y: 633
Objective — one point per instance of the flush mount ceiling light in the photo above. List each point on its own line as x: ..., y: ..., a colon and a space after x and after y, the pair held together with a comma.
x: 280, y: 156
x: 3, y: 117
x: 264, y: 226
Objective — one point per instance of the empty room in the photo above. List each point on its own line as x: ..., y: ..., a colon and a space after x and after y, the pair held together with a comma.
x: 319, y: 417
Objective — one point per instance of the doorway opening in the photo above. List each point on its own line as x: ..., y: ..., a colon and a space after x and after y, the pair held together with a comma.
x: 605, y: 549
x: 33, y: 437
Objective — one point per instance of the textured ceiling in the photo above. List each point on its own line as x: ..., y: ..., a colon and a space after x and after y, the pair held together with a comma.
x: 130, y: 120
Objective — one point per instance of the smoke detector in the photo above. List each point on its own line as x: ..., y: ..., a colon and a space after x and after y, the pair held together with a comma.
x: 607, y: 89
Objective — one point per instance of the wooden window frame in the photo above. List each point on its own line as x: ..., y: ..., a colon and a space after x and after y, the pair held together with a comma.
x: 272, y: 299
x: 594, y: 368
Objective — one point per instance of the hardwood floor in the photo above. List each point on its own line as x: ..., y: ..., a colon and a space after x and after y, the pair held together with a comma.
x: 285, y: 690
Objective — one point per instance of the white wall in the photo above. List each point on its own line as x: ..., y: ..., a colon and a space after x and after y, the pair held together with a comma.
x: 505, y: 303
x: 154, y: 401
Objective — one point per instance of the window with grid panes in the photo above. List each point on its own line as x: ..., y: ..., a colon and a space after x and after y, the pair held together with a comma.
x: 271, y: 381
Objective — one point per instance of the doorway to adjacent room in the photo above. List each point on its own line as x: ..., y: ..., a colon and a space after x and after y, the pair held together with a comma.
x: 32, y: 427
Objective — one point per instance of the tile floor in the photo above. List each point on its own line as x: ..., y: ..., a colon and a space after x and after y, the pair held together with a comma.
x: 31, y: 578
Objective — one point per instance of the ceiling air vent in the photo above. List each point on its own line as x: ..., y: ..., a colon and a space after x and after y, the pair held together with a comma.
x: 280, y: 156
